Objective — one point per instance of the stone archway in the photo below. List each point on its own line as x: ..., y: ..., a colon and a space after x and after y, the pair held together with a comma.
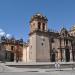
x: 67, y: 55
x: 9, y: 56
x: 53, y: 57
x: 12, y: 57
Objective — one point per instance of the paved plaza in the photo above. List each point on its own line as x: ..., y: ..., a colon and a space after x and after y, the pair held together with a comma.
x: 40, y: 73
x: 36, y: 71
x: 6, y: 70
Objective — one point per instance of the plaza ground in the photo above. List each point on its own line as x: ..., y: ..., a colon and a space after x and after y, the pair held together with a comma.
x: 7, y: 70
x: 70, y: 72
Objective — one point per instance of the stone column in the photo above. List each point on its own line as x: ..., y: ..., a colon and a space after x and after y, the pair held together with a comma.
x: 71, y: 58
x: 64, y: 57
x: 56, y: 56
x: 45, y: 27
x: 14, y: 57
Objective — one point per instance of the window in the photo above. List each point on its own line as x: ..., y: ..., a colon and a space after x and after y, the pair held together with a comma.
x: 42, y: 44
x: 66, y: 42
x: 52, y: 40
x: 39, y: 25
x: 43, y: 26
x: 12, y: 47
x: 63, y: 34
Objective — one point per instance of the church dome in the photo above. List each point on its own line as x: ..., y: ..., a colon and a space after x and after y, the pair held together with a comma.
x: 64, y: 31
x: 38, y: 16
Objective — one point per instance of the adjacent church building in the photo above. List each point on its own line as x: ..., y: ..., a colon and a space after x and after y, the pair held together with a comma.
x: 48, y: 46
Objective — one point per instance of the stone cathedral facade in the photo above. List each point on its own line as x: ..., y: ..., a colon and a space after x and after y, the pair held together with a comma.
x: 48, y: 46
x: 44, y: 45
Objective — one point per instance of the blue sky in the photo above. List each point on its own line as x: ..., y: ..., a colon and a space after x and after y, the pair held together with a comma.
x: 15, y: 15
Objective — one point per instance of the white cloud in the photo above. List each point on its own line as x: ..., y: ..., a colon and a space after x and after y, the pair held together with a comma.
x: 2, y: 33
x: 8, y: 35
x: 1, y: 30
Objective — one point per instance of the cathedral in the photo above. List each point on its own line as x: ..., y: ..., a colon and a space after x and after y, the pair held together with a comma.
x: 43, y: 45
x: 48, y: 46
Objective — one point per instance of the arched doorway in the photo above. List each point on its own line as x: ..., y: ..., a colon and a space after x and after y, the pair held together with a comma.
x: 53, y: 57
x: 67, y: 54
x: 12, y: 57
x: 9, y: 56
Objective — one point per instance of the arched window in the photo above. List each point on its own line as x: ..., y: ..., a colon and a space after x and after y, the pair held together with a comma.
x: 43, y: 26
x: 12, y: 47
x: 66, y: 41
x: 39, y: 25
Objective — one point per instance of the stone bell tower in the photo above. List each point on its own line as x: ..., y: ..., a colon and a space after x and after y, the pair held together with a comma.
x: 38, y: 22
x: 39, y: 41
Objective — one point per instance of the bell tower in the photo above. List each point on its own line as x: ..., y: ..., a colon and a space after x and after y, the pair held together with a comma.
x: 38, y: 22
x: 39, y: 41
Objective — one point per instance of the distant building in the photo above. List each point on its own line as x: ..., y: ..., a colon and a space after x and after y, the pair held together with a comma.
x: 11, y: 49
x: 48, y: 46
